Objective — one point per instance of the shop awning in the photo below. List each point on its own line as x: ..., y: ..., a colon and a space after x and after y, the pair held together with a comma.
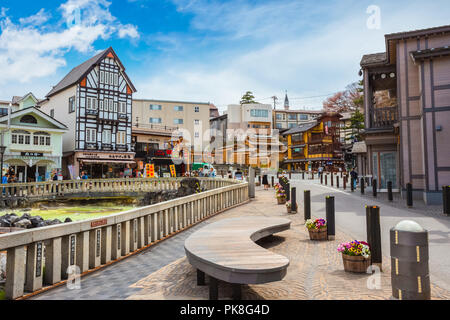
x: 106, y: 161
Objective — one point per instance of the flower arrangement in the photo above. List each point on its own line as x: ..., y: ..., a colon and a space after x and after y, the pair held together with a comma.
x: 281, y: 194
x: 316, y: 224
x: 355, y: 248
x: 278, y: 186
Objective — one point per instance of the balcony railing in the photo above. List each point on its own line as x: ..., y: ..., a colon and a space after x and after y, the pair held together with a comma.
x: 155, y: 127
x: 384, y: 117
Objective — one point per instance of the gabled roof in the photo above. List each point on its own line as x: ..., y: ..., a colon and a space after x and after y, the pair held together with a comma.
x: 430, y: 53
x: 37, y: 111
x: 301, y: 128
x: 79, y: 72
x: 373, y: 59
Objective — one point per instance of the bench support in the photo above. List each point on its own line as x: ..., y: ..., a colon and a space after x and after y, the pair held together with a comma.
x: 200, y: 278
x: 213, y: 289
x: 237, y: 292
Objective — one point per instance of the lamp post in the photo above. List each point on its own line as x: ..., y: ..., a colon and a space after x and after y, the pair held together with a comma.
x: 2, y: 152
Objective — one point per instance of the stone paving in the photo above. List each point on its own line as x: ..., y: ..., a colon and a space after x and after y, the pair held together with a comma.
x: 163, y: 272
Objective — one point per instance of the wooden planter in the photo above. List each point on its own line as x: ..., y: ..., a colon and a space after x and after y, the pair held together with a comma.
x: 318, y: 234
x: 357, y: 264
x: 281, y: 200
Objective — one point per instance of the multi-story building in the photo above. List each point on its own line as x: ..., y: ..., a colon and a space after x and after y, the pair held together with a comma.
x: 407, y: 99
x: 315, y: 144
x: 32, y: 138
x: 95, y: 101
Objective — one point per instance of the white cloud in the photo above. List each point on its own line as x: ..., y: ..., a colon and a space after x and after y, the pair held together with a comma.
x: 31, y: 49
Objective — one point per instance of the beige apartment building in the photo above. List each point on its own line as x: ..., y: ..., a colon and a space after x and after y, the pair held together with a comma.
x: 288, y: 119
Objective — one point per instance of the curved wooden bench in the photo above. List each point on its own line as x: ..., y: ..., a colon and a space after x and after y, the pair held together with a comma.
x: 226, y: 250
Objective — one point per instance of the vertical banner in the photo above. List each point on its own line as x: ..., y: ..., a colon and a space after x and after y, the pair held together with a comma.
x: 173, y: 172
x: 149, y: 170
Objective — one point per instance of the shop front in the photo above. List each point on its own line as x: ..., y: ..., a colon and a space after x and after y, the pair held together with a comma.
x: 98, y: 164
x: 31, y: 166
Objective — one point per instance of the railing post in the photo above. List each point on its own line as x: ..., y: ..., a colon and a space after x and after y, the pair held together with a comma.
x: 53, y: 261
x: 82, y: 256
x: 68, y: 253
x: 106, y: 244
x: 34, y: 267
x: 125, y: 235
x: 307, y: 204
x: 330, y: 214
x: 15, y: 272
x: 95, y: 247
x: 373, y: 230
x: 116, y: 241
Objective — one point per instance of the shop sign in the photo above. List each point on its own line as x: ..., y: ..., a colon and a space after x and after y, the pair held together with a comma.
x: 149, y: 170
x: 107, y: 156
x: 173, y: 172
x: 31, y: 154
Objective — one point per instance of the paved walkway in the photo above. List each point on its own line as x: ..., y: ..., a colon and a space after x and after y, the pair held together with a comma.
x: 315, y: 271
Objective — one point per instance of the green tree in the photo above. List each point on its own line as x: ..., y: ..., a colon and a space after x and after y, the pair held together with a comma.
x: 248, y: 98
x: 356, y: 125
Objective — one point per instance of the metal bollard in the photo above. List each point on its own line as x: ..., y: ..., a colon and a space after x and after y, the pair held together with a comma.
x: 307, y: 204
x: 373, y: 229
x: 288, y: 191
x: 409, y: 195
x: 332, y: 179
x: 362, y: 185
x: 410, y: 276
x: 290, y: 175
x: 345, y: 183
x: 352, y: 185
x: 337, y: 182
x: 374, y: 187
x: 326, y: 179
x: 329, y: 208
x: 390, y: 194
x: 321, y: 178
x: 303, y: 175
x: 273, y: 181
x: 294, y: 200
x: 259, y: 180
x: 446, y: 199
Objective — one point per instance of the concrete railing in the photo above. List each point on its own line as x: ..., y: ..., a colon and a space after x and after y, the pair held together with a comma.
x: 91, y: 243
x: 49, y: 189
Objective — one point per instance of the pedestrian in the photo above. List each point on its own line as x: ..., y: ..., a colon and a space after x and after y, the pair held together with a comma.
x: 320, y: 171
x: 230, y: 175
x: 265, y: 181
x: 354, y: 176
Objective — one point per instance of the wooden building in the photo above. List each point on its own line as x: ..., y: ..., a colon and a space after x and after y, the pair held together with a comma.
x: 407, y: 111
x: 95, y: 101
x: 315, y: 144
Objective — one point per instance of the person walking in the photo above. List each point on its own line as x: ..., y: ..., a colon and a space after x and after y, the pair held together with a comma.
x: 354, y: 176
x: 265, y: 181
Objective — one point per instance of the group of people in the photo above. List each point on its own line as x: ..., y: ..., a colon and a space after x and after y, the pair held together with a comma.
x: 202, y: 172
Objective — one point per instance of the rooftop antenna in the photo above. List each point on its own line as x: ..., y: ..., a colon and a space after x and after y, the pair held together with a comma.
x: 274, y: 102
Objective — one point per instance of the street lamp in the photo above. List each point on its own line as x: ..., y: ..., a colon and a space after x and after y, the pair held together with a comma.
x: 2, y: 152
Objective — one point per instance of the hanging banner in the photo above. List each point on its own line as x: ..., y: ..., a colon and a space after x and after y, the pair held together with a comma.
x: 149, y: 170
x: 173, y: 172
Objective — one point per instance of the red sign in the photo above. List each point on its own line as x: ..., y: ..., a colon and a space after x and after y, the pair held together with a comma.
x: 99, y: 223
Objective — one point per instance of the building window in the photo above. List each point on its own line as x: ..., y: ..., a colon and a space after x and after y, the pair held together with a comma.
x: 91, y: 103
x: 178, y: 108
x: 111, y: 78
x: 3, y: 111
x: 28, y: 119
x: 292, y: 117
x: 197, y: 109
x: 292, y: 125
x: 41, y: 138
x: 155, y: 120
x: 102, y: 77
x: 106, y: 77
x: 116, y: 79
x: 303, y: 117
x: 177, y: 121
x: 197, y: 135
x: 122, y: 107
x: 196, y: 121
x: 155, y: 107
x: 259, y: 113
x: 279, y: 126
x: 52, y: 113
x: 20, y: 137
x: 91, y: 135
x: 115, y: 106
x: 279, y: 116
x: 71, y: 104
x: 106, y: 136
x: 111, y: 105
x: 121, y: 135
x: 101, y: 105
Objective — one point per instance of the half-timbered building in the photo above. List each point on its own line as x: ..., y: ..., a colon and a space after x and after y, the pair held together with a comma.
x: 95, y: 100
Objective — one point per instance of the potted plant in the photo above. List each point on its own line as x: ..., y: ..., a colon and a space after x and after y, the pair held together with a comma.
x: 281, y: 196
x: 289, y: 207
x: 317, y: 229
x: 355, y: 256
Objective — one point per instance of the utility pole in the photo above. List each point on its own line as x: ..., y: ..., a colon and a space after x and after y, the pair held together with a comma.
x: 274, y: 102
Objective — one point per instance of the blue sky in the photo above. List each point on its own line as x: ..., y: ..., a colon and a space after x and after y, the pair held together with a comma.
x: 200, y: 50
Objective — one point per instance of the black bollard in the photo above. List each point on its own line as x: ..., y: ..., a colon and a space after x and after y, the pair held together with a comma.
x: 332, y: 179
x: 307, y: 204
x: 290, y: 175
x: 303, y: 175
x: 294, y: 200
x: 373, y: 229
x: 329, y: 207
x: 273, y: 181
x: 337, y: 182
x: 362, y: 185
x: 374, y: 187
x: 312, y: 175
x: 345, y: 183
x: 259, y: 180
x: 352, y: 185
x: 288, y: 192
x: 410, y: 277
x: 390, y: 195
x: 446, y: 199
x: 409, y: 195
x: 321, y: 178
x: 326, y: 179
